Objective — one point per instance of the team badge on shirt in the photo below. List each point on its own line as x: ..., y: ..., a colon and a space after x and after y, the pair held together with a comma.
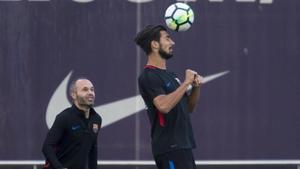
x: 95, y: 128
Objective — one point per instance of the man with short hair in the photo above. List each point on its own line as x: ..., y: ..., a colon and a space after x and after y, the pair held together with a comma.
x: 169, y: 102
x: 72, y: 140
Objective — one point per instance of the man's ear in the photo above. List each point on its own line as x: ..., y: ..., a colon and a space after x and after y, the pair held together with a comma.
x: 73, y: 95
x: 154, y: 44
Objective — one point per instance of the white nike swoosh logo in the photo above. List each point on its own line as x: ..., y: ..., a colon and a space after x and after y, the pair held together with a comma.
x: 110, y: 112
x: 214, y: 76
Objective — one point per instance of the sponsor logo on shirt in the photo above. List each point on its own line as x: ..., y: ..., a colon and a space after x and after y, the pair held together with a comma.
x: 75, y: 127
x: 168, y: 84
x: 173, y: 145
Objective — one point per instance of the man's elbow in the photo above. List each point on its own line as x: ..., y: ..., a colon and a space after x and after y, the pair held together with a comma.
x: 191, y: 108
x: 163, y: 109
x: 161, y: 105
x: 44, y: 149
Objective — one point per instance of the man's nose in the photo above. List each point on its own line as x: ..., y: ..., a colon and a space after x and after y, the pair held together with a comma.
x: 172, y: 42
x: 91, y: 91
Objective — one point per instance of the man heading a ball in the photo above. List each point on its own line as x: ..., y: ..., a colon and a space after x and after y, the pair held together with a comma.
x: 169, y: 101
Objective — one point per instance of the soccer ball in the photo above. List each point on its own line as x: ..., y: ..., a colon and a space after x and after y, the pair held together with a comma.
x: 179, y: 16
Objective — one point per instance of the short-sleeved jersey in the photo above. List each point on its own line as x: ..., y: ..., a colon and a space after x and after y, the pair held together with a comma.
x: 169, y: 131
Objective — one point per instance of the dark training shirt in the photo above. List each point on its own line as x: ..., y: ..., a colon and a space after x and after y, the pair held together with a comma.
x: 72, y: 140
x: 172, y: 130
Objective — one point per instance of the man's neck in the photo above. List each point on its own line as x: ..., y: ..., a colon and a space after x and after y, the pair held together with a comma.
x: 85, y: 109
x: 157, y: 61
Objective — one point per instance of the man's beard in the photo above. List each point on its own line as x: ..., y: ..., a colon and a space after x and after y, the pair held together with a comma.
x: 164, y: 54
x: 84, y: 103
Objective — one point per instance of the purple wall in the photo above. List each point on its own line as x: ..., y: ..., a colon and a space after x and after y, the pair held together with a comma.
x: 251, y: 113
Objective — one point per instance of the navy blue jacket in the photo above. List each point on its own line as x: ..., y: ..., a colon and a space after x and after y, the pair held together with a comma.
x: 72, y: 140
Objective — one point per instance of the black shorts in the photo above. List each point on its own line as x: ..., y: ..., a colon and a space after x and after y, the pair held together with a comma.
x: 178, y: 159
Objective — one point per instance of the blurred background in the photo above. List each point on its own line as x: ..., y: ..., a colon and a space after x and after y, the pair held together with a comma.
x: 251, y: 113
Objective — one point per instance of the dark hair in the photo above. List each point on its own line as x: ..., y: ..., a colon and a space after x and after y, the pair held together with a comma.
x: 72, y: 87
x: 147, y: 35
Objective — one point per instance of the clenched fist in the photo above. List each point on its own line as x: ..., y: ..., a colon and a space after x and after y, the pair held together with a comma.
x: 192, y: 78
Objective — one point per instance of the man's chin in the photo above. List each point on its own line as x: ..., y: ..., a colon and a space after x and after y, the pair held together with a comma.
x: 167, y: 57
x: 90, y: 105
